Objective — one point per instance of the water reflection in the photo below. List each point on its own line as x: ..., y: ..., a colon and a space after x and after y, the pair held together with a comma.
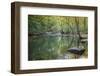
x: 54, y: 47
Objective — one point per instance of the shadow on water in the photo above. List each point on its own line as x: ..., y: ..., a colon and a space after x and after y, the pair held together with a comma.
x: 54, y: 47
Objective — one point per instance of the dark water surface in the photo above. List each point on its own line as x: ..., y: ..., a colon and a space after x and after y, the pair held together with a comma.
x: 54, y: 47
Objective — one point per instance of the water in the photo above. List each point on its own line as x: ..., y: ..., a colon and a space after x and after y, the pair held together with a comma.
x: 54, y: 47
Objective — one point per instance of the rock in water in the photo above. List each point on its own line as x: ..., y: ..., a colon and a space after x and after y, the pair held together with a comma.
x: 75, y: 50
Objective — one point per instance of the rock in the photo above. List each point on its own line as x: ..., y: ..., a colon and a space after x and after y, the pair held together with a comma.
x: 75, y: 50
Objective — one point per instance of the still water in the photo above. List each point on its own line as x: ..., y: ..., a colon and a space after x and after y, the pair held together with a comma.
x: 54, y: 47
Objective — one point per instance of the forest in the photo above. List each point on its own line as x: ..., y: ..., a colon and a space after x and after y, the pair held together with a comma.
x: 56, y: 24
x: 50, y: 36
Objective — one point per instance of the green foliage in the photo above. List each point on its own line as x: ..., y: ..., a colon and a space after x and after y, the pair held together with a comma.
x: 40, y: 23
